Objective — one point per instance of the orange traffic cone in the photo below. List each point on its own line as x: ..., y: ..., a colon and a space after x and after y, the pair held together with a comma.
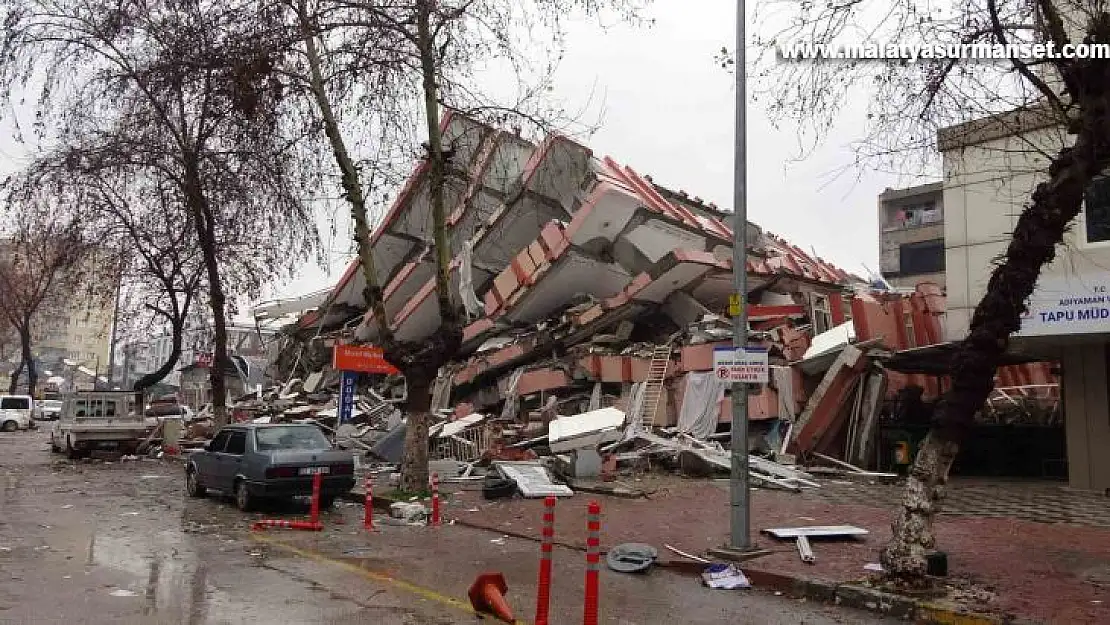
x: 487, y: 596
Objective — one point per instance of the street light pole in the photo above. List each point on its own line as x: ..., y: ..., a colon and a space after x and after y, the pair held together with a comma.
x: 740, y: 513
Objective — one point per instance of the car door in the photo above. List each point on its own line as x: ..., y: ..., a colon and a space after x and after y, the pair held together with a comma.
x: 231, y: 463
x: 209, y: 462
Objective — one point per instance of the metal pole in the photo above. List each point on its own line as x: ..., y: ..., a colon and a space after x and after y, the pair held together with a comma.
x: 739, y: 518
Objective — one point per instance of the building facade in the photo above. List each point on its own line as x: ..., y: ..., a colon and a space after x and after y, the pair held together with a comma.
x: 911, y: 235
x: 991, y: 168
x: 253, y: 344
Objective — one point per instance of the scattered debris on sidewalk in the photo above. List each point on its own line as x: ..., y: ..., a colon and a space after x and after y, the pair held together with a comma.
x: 725, y: 576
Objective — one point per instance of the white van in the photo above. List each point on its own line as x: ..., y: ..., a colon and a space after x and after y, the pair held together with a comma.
x: 16, y: 412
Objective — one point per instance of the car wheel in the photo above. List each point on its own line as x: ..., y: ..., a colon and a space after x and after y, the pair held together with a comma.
x: 243, y: 499
x: 192, y: 485
x: 54, y: 445
x: 326, y: 503
x: 9, y: 426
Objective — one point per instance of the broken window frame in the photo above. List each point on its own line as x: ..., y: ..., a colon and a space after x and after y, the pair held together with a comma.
x: 820, y: 311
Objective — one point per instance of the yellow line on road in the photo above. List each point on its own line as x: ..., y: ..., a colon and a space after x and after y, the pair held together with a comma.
x: 384, y: 578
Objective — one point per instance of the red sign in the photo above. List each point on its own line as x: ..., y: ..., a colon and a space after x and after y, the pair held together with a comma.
x: 204, y: 360
x: 361, y: 358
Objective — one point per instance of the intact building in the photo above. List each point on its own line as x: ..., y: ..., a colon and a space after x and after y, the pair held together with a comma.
x: 991, y: 168
x: 911, y: 235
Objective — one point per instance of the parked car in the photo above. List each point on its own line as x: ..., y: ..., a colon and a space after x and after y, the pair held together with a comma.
x: 49, y: 409
x: 253, y: 461
x: 16, y: 412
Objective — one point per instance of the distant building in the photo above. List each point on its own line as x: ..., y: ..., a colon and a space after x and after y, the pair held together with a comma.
x: 911, y: 235
x: 71, y: 332
x: 251, y: 347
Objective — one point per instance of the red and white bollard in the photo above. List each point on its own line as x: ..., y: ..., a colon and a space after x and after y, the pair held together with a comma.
x: 547, y: 546
x: 435, y: 499
x: 368, y: 514
x: 314, y: 511
x: 593, y: 564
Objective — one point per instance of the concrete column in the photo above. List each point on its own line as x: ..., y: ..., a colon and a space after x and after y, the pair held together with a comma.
x: 1085, y: 380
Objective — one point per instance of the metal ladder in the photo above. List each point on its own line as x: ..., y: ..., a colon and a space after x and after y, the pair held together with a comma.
x: 653, y: 385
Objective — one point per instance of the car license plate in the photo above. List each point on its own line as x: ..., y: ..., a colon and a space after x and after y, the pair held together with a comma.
x: 314, y: 470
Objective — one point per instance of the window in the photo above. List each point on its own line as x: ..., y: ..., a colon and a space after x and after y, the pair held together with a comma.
x: 921, y: 257
x: 1096, y: 211
x: 291, y: 437
x: 220, y: 441
x: 15, y: 403
x: 237, y: 444
x: 822, y: 316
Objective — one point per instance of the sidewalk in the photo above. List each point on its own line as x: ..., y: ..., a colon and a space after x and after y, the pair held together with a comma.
x: 999, y: 560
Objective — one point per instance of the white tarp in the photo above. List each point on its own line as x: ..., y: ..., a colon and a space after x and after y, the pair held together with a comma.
x: 783, y: 379
x: 586, y: 430
x: 532, y: 479
x: 701, y: 404
x: 470, y: 301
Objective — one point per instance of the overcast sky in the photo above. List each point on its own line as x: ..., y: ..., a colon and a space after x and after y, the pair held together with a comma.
x: 668, y: 112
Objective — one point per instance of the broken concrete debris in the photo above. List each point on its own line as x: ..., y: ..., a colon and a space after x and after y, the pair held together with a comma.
x: 595, y: 299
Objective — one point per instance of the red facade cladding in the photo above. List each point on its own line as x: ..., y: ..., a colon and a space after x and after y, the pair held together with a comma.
x: 1034, y: 374
x: 836, y: 308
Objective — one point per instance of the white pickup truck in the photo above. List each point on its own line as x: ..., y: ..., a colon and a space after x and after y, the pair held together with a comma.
x: 98, y: 420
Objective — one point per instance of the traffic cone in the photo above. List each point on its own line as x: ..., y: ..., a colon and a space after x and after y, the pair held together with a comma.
x: 487, y: 596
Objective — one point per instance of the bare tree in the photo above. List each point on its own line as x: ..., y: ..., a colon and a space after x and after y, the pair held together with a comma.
x: 173, y: 89
x: 908, y: 104
x: 412, y: 58
x: 125, y: 209
x: 41, y: 263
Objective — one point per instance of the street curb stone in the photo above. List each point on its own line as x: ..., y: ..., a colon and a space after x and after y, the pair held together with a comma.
x: 877, y: 601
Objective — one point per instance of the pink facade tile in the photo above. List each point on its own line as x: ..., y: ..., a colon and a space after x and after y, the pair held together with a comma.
x: 542, y: 380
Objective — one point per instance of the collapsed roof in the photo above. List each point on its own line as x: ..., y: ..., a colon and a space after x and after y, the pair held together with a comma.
x: 532, y: 227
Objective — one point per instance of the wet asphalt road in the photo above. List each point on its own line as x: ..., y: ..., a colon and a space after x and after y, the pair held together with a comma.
x: 119, y: 542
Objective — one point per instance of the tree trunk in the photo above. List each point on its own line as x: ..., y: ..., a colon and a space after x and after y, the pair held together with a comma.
x: 1055, y: 203
x: 13, y: 384
x: 206, y: 238
x: 27, y: 357
x: 420, y: 372
x: 436, y: 166
x: 414, y: 463
x: 349, y: 178
x: 161, y: 372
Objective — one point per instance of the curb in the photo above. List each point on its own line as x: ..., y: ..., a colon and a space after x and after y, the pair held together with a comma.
x: 381, y: 502
x: 869, y: 599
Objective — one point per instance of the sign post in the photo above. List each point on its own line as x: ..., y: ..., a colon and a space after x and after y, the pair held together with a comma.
x: 347, y: 396
x: 352, y: 360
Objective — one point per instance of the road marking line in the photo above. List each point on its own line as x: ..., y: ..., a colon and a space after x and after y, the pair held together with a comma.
x: 372, y: 575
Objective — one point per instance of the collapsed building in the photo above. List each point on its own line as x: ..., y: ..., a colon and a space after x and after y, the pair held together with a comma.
x: 588, y: 286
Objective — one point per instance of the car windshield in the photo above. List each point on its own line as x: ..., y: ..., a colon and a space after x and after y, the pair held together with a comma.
x: 290, y: 437
x: 15, y: 403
